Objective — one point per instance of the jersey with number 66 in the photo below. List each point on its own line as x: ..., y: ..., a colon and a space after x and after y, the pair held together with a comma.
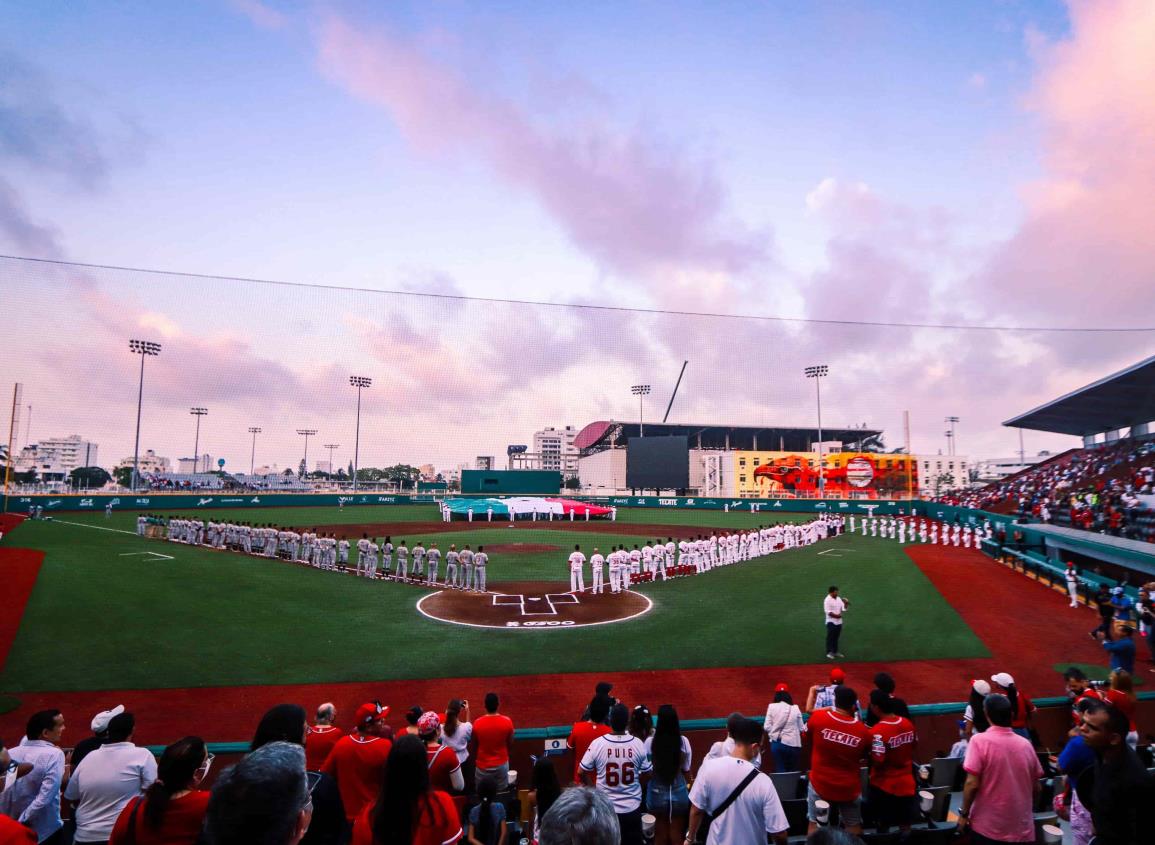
x: 619, y: 761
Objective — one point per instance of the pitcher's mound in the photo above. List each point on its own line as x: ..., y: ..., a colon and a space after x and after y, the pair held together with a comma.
x: 534, y: 606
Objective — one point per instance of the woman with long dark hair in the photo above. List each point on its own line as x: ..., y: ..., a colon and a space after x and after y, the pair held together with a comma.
x: 173, y: 809
x: 406, y: 806
x: 667, y: 797
x: 287, y: 723
x: 487, y: 818
x: 974, y: 716
x: 544, y: 790
x: 641, y: 723
x: 456, y: 733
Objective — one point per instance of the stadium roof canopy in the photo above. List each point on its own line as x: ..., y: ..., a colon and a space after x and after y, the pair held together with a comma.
x: 604, y: 433
x: 1123, y: 400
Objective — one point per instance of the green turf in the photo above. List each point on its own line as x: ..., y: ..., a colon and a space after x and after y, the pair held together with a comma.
x: 103, y: 616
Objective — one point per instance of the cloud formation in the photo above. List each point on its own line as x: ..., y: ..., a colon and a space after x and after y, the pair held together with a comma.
x: 635, y: 204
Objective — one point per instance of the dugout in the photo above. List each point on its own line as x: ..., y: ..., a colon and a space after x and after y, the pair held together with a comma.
x: 531, y: 482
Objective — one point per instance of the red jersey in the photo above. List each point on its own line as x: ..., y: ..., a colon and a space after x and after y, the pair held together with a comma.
x: 839, y: 747
x: 580, y: 737
x: 442, y: 764
x: 182, y: 822
x: 357, y: 763
x: 492, y: 733
x: 14, y: 833
x: 1025, y: 708
x: 318, y: 744
x: 891, y: 755
x: 436, y: 822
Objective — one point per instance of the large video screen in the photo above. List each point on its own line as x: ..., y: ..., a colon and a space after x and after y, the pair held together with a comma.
x: 658, y: 463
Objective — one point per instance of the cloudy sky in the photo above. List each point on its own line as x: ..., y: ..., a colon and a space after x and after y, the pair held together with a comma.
x: 981, y: 164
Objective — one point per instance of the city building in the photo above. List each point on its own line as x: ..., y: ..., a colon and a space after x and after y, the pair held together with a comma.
x: 483, y: 462
x: 555, y: 449
x: 204, y: 464
x: 988, y: 470
x: 57, y: 456
x: 939, y: 473
x: 150, y: 463
x: 427, y: 472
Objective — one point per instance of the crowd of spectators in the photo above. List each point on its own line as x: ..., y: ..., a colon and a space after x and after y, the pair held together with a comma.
x: 445, y: 777
x: 1096, y: 489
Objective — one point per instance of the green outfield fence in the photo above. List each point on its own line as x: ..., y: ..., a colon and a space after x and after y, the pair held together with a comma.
x: 216, y: 499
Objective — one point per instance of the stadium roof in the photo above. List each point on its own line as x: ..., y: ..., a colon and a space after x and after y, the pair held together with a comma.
x: 1121, y: 400
x: 601, y: 434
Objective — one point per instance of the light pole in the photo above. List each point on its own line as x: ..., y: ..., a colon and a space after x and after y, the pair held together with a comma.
x: 950, y: 434
x: 308, y: 432
x: 253, y: 430
x: 358, y: 382
x: 640, y: 390
x: 819, y: 372
x: 143, y: 348
x: 198, y: 413
x: 331, y: 447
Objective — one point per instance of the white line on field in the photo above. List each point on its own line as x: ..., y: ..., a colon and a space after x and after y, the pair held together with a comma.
x: 97, y: 527
x: 154, y: 554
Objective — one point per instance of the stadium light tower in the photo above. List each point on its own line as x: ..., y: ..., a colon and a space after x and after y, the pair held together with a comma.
x: 198, y: 413
x: 331, y: 447
x: 307, y: 432
x: 819, y: 372
x: 253, y: 430
x: 950, y: 434
x: 358, y: 382
x: 641, y: 391
x: 143, y: 348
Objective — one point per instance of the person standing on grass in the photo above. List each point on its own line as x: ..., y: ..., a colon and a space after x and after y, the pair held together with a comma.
x: 1002, y: 781
x: 833, y: 607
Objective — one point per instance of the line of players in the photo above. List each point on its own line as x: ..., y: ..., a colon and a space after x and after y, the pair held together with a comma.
x: 464, y: 570
x: 657, y: 560
x: 926, y: 531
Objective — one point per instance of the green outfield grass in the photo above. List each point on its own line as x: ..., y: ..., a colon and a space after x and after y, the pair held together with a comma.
x: 105, y: 616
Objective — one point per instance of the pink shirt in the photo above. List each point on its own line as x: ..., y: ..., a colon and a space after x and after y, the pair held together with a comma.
x: 1008, y: 766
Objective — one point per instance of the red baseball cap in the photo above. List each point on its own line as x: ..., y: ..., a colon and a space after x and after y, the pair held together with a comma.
x: 837, y: 674
x: 369, y: 711
x: 782, y: 688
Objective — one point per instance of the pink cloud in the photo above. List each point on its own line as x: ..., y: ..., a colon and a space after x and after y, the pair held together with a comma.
x: 636, y: 205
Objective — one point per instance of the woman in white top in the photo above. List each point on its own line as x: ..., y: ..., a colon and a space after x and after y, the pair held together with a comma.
x: 784, y: 728
x: 458, y: 730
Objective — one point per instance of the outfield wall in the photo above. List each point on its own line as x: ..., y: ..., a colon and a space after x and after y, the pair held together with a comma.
x: 191, y: 501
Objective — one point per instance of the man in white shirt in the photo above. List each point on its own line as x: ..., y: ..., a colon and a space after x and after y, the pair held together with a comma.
x: 597, y: 569
x: 1072, y: 583
x: 107, y: 779
x: 619, y: 760
x: 34, y: 800
x: 576, y: 578
x: 753, y: 812
x: 833, y: 607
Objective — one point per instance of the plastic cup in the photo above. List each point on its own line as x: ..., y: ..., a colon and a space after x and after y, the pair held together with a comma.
x: 822, y: 811
x: 1052, y: 833
x: 925, y: 800
x: 513, y: 777
x: 648, y: 822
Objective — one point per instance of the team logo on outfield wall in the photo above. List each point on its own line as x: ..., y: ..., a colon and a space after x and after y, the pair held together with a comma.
x: 203, y: 502
x: 859, y: 472
x: 386, y: 500
x: 86, y: 503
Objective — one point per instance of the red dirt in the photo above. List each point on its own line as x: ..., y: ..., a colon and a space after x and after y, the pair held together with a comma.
x: 9, y: 521
x: 18, y: 571
x: 523, y: 548
x: 1013, y: 615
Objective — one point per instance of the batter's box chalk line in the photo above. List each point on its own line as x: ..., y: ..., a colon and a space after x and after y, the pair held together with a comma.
x: 535, y: 605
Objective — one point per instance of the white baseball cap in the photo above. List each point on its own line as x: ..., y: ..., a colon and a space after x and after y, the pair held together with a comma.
x: 1002, y: 679
x: 981, y: 687
x: 100, y: 720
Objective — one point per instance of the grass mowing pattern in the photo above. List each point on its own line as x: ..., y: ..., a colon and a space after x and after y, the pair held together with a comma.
x: 97, y: 620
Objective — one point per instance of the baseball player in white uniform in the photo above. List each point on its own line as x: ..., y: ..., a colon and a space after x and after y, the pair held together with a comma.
x: 466, y: 557
x: 418, y: 560
x: 451, y: 558
x: 480, y: 560
x: 386, y: 557
x: 576, y: 578
x: 402, y: 560
x: 434, y: 558
x: 597, y: 567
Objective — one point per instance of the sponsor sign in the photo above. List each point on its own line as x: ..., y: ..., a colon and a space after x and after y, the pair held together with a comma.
x: 86, y: 503
x: 202, y: 502
x: 554, y: 747
x: 669, y: 503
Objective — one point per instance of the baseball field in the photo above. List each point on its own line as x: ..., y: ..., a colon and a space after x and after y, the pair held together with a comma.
x: 110, y: 610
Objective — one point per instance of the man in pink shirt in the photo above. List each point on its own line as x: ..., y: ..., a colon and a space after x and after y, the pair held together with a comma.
x: 1003, y: 774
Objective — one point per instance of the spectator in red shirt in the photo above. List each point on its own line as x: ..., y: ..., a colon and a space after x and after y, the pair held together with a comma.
x: 322, y: 737
x: 1021, y: 706
x: 493, y: 735
x: 583, y: 733
x: 839, y: 746
x: 892, y: 788
x: 444, y: 768
x: 357, y: 761
x: 172, y: 811
x: 407, y: 809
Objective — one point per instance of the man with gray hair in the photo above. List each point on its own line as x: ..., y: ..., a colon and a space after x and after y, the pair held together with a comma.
x: 322, y: 737
x: 262, y: 800
x: 580, y: 816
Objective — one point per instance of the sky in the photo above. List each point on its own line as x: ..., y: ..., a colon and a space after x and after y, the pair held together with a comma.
x: 854, y: 168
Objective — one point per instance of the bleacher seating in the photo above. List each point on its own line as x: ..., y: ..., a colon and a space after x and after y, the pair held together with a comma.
x: 1094, y: 489
x: 187, y: 481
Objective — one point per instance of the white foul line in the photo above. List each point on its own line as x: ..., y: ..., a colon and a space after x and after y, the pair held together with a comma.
x: 97, y: 527
x: 154, y: 554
